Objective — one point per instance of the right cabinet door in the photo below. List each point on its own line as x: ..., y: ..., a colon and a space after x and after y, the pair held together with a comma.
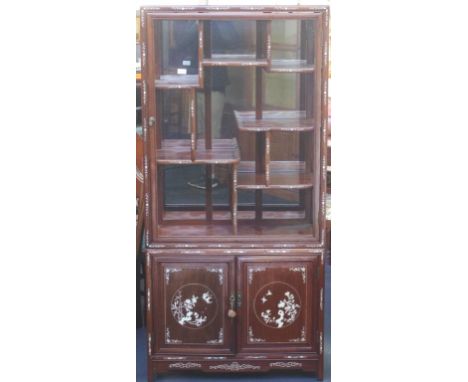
x: 279, y: 304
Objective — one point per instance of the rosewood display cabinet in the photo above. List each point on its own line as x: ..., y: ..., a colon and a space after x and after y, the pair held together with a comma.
x: 234, y: 124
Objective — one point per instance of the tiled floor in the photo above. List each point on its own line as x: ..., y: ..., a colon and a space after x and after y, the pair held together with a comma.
x: 283, y: 377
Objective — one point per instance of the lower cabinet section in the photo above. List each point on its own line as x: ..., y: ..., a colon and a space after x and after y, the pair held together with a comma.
x: 235, y: 314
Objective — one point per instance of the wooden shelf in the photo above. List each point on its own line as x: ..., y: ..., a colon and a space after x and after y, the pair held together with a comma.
x: 290, y: 66
x: 247, y: 227
x: 225, y: 215
x: 294, y: 120
x: 234, y: 60
x: 178, y: 151
x: 174, y: 81
x: 283, y: 175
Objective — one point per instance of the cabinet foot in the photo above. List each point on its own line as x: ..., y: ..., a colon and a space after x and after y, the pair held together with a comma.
x: 150, y: 373
x: 320, y: 372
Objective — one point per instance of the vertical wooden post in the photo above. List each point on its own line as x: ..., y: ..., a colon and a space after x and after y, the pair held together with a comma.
x: 315, y: 154
x: 201, y: 27
x: 155, y: 39
x: 259, y: 71
x: 205, y: 29
x: 267, y: 156
x: 151, y: 70
x: 193, y: 124
x: 207, y: 84
x: 260, y: 159
x: 268, y: 41
x: 303, y: 136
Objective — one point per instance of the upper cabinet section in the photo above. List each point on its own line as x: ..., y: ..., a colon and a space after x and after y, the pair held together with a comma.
x: 233, y: 102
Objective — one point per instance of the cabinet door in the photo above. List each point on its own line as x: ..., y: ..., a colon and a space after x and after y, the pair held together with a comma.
x: 192, y: 300
x: 279, y: 304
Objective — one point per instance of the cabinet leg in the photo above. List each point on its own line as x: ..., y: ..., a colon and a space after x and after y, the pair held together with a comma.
x: 150, y: 373
x: 320, y: 370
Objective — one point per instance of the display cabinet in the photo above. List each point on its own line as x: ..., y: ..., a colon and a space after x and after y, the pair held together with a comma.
x: 234, y: 123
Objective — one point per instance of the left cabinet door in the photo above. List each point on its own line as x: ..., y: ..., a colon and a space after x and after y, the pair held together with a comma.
x: 191, y: 299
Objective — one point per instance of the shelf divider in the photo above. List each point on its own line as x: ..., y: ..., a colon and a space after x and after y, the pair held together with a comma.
x: 268, y: 42
x: 193, y: 125
x: 267, y: 156
x: 201, y: 27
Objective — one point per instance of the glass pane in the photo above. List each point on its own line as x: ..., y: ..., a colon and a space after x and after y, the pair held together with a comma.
x: 236, y: 37
x: 175, y: 123
x: 265, y: 134
x: 280, y: 197
x: 184, y: 187
x: 177, y: 46
x: 282, y: 91
x: 292, y: 40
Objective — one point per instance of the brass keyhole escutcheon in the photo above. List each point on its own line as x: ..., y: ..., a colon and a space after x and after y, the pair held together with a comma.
x: 232, y: 301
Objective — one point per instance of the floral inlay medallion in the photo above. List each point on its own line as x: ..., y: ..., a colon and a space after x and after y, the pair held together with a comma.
x: 277, y: 305
x: 194, y: 306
